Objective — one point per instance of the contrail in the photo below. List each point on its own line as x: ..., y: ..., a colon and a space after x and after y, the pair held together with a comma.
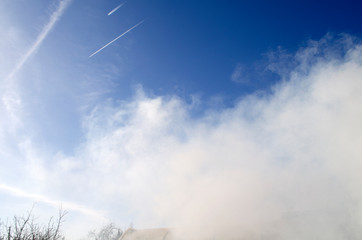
x: 11, y: 98
x: 116, y: 8
x: 44, y: 33
x: 39, y: 198
x: 116, y: 39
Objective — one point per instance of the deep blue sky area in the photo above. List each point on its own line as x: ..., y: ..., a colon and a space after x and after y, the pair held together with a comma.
x: 193, y: 46
x: 183, y: 48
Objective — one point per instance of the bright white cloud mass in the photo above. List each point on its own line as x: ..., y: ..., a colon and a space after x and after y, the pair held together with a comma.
x: 284, y: 163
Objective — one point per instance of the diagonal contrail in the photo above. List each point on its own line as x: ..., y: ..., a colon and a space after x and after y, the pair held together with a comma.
x: 116, y: 39
x: 44, y: 33
x: 11, y: 98
x: 116, y: 8
x: 56, y: 203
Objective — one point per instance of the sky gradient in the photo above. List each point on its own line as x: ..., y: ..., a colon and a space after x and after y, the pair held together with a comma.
x: 187, y: 113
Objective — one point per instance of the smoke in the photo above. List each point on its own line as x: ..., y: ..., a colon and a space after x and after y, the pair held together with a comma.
x: 282, y: 164
x: 279, y: 165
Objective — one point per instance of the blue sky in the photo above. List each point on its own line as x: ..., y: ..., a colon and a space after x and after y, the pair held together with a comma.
x: 248, y: 95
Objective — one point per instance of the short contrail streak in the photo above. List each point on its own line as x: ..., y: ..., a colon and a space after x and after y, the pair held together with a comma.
x: 116, y: 39
x: 116, y: 8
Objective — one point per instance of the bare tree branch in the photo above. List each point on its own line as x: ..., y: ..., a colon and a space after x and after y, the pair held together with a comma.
x: 25, y: 228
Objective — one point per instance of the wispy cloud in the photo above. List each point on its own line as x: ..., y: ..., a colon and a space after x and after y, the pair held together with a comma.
x: 116, y: 39
x: 238, y: 75
x: 116, y: 8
